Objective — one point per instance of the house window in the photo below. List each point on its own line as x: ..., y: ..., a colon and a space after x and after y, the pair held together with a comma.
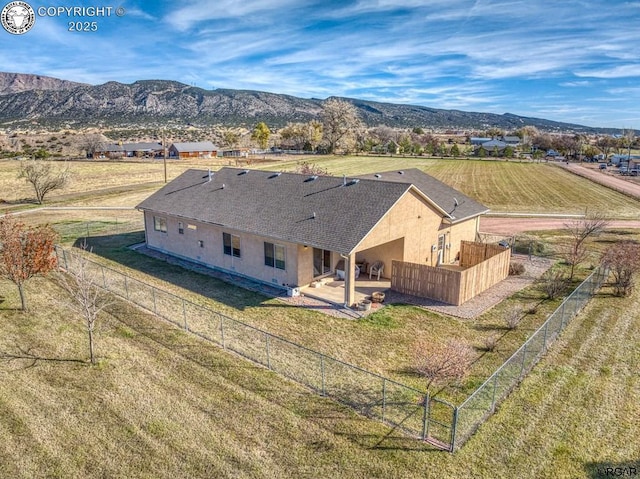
x: 192, y: 227
x: 160, y: 224
x: 201, y: 243
x: 231, y: 244
x: 180, y: 228
x: 274, y: 255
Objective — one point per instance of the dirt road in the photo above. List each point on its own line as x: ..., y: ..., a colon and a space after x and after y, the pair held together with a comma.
x: 627, y: 185
x: 509, y: 226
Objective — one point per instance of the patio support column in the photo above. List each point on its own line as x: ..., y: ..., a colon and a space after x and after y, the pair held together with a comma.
x: 349, y: 280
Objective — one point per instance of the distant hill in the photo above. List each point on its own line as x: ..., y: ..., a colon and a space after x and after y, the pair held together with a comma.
x: 49, y: 101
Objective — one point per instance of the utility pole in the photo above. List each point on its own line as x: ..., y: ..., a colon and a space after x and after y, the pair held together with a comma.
x: 164, y: 154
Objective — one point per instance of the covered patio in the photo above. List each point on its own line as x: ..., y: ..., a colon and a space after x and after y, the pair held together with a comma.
x: 333, y: 291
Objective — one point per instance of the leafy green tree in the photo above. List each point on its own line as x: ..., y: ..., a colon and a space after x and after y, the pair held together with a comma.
x: 455, y: 150
x: 261, y: 134
x: 508, y: 152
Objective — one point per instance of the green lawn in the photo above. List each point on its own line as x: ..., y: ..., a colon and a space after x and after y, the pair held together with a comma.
x: 164, y: 404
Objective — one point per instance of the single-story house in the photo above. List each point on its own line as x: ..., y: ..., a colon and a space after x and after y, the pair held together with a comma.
x: 194, y: 149
x: 477, y: 141
x: 511, y: 140
x: 118, y: 150
x: 291, y: 229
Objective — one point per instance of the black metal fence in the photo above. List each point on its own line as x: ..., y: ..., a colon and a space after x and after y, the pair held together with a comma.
x: 410, y: 410
x: 482, y: 402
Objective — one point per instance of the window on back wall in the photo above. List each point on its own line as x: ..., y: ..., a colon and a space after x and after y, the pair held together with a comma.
x: 180, y: 228
x: 274, y: 255
x: 160, y: 224
x: 231, y: 244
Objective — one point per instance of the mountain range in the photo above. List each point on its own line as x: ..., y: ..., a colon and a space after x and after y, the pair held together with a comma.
x: 49, y: 101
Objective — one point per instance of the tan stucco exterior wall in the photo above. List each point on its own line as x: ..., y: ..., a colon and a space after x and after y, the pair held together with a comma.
x: 250, y: 263
x: 409, y: 231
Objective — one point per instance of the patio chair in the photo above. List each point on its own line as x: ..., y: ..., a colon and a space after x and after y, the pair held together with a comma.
x: 376, y: 268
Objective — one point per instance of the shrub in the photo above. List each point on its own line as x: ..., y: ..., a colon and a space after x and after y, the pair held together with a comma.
x: 490, y: 342
x: 516, y: 269
x: 513, y: 318
x: 553, y: 283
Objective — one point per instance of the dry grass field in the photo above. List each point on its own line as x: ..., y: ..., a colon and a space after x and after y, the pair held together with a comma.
x: 164, y: 404
x: 502, y: 186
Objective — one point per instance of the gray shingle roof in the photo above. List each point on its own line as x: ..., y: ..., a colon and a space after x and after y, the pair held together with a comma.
x: 444, y: 196
x: 320, y: 212
x: 195, y: 146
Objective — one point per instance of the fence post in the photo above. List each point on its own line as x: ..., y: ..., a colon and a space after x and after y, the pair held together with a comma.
x: 184, y: 315
x: 64, y: 256
x: 544, y: 338
x: 126, y: 286
x: 384, y: 397
x: 425, y: 418
x: 324, y: 393
x: 104, y: 278
x: 524, y: 357
x: 268, y: 355
x: 493, y: 396
x: 454, y: 429
x: 562, y: 317
x: 222, y: 331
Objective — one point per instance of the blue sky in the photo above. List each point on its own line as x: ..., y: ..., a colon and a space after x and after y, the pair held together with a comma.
x: 572, y: 61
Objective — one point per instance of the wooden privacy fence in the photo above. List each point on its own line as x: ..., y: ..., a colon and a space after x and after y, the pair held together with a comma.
x: 450, y: 286
x: 472, y: 253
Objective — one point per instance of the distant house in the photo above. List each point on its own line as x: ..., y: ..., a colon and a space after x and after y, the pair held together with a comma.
x: 197, y: 149
x: 491, y: 147
x: 143, y: 149
x: 511, y: 140
x: 290, y: 229
x: 119, y: 150
x: 108, y: 150
x: 477, y: 141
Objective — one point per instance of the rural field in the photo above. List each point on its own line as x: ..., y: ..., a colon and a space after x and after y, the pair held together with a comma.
x: 163, y: 404
x: 503, y: 186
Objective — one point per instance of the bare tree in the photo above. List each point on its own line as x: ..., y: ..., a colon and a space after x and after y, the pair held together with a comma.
x: 88, y: 298
x: 92, y: 143
x: 575, y: 249
x: 43, y: 177
x: 230, y: 137
x: 307, y: 168
x: 339, y: 122
x: 553, y: 283
x: 442, y: 362
x: 605, y: 144
x: 623, y: 260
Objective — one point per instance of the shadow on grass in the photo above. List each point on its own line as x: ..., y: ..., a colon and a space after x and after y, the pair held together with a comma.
x: 335, y: 416
x: 116, y: 248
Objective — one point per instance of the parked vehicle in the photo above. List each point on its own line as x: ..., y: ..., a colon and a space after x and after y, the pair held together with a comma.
x: 602, y: 166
